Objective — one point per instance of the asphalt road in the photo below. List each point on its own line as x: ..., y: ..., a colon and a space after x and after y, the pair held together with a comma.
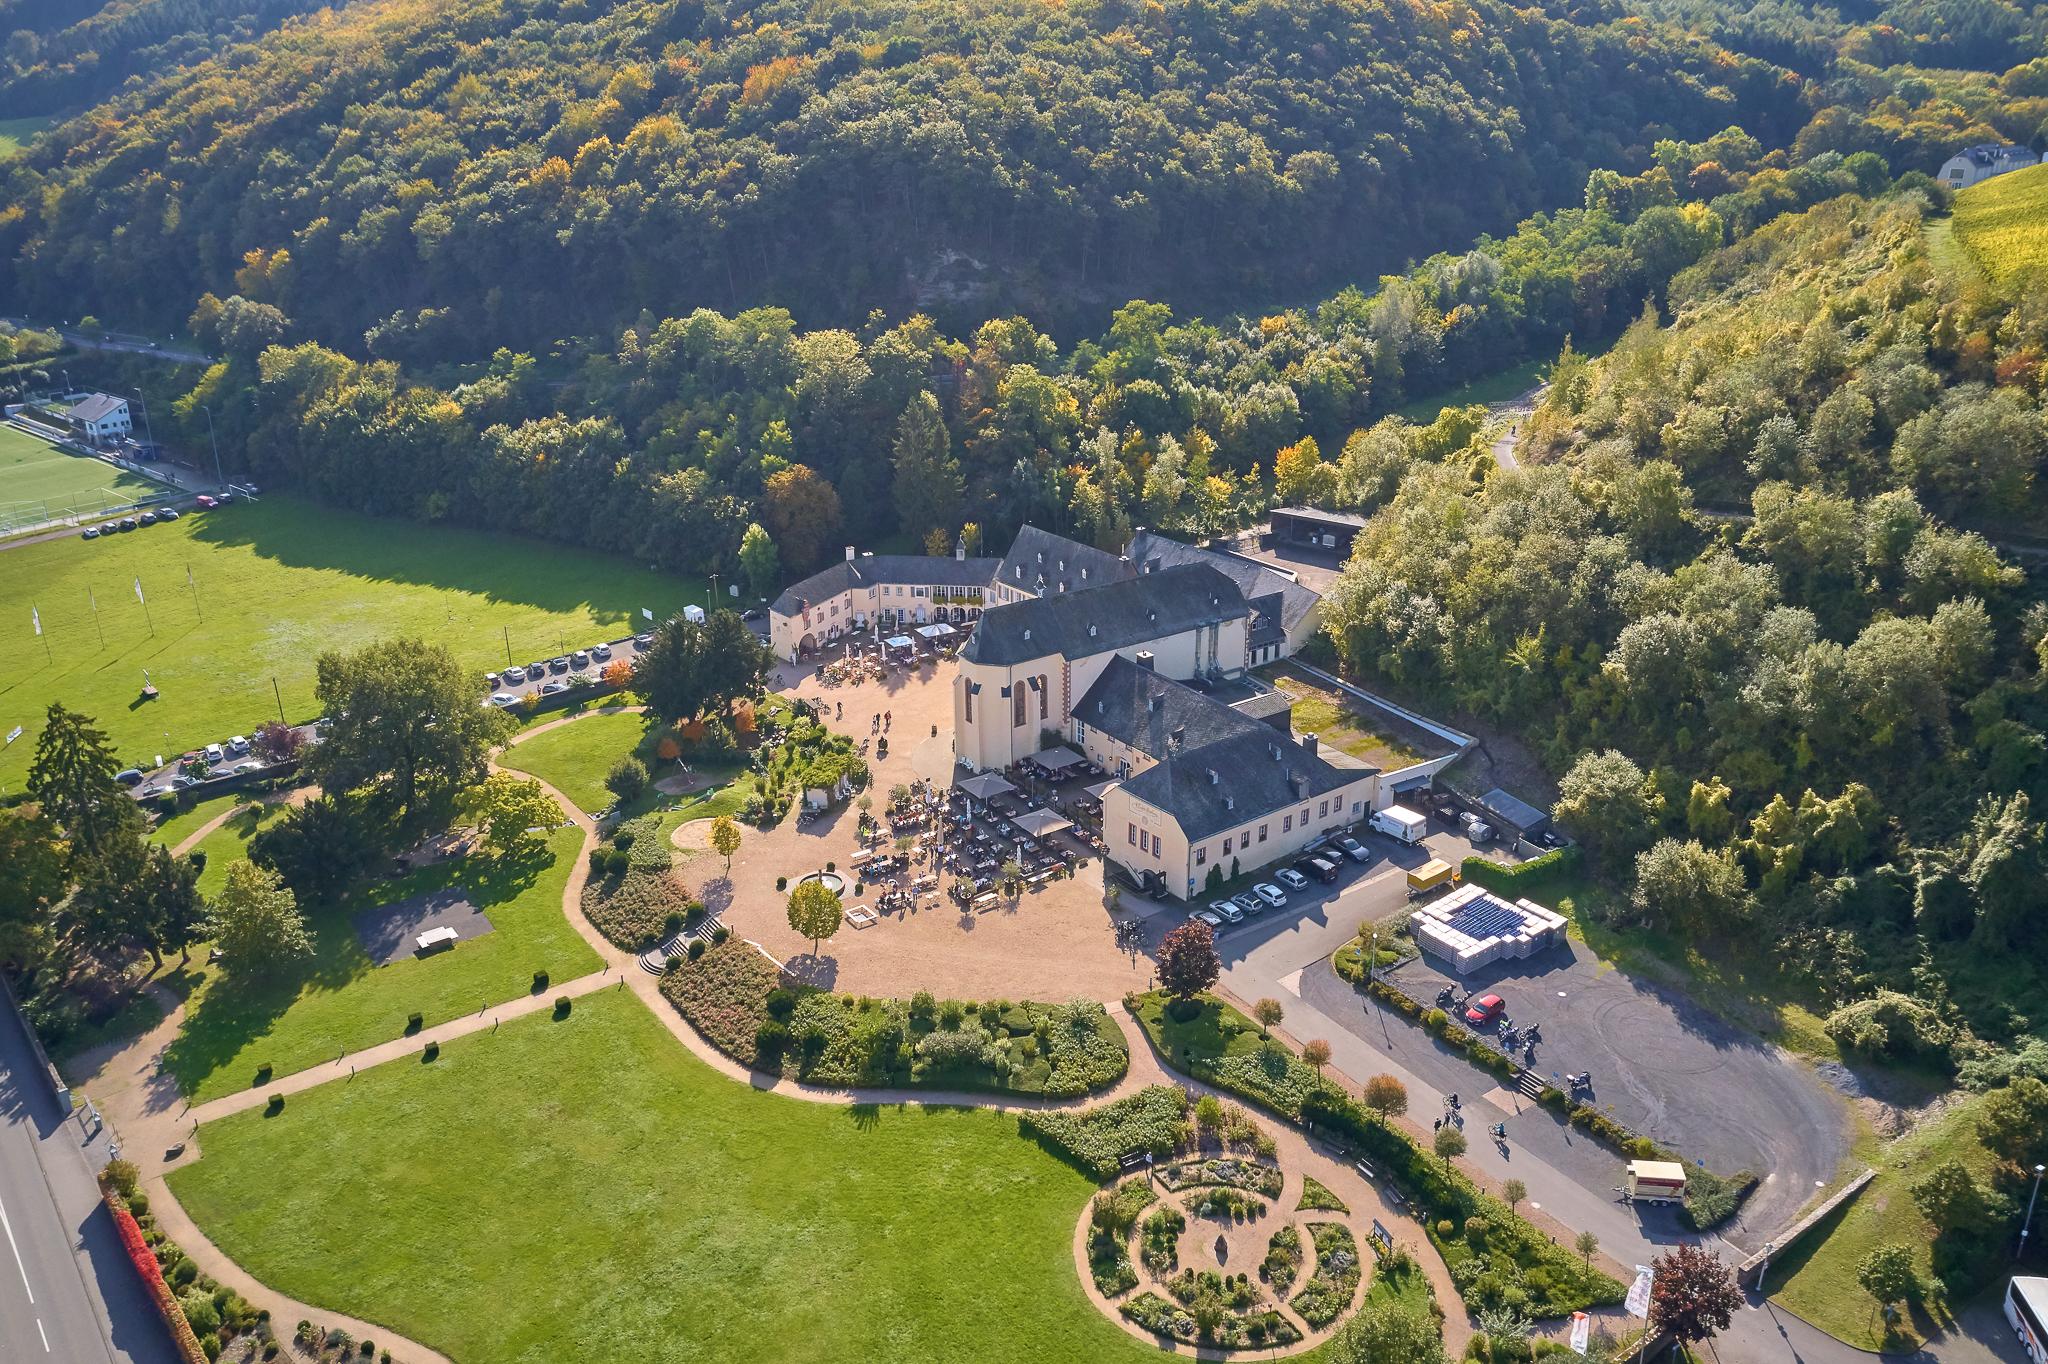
x: 67, y: 1291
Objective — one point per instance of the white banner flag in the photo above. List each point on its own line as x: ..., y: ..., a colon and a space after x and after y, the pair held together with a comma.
x: 647, y: 613
x: 36, y: 618
x: 1582, y: 1332
x: 15, y: 733
x: 1638, y: 1303
x: 138, y: 593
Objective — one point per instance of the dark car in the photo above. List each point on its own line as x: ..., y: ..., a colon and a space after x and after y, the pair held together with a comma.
x: 559, y: 665
x: 223, y: 499
x: 751, y: 613
x: 127, y: 523
x: 1484, y: 1010
x: 1320, y: 868
x: 1353, y: 849
x: 536, y: 671
x: 147, y: 518
x: 168, y: 514
x: 131, y: 776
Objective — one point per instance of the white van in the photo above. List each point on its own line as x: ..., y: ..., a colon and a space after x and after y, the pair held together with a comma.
x: 1400, y: 823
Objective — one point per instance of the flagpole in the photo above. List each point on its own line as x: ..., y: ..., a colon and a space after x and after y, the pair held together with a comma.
x: 194, y: 585
x: 150, y: 620
x: 37, y: 617
x: 96, y: 617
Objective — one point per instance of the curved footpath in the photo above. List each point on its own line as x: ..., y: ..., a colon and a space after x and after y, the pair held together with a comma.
x: 142, y: 1103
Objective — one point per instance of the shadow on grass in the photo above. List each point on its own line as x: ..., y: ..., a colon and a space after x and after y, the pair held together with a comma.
x: 233, y: 1012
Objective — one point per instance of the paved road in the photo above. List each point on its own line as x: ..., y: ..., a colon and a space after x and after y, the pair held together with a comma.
x: 127, y: 345
x: 67, y: 1292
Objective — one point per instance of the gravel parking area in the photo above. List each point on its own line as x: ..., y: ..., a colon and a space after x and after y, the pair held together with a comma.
x: 388, y: 932
x: 1665, y: 1067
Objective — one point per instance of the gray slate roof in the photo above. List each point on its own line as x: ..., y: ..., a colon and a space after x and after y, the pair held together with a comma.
x: 1157, y: 715
x: 1331, y: 518
x: 96, y: 408
x: 1991, y: 153
x: 1279, y: 602
x: 1131, y: 612
x: 1236, y: 779
x: 1049, y: 565
x: 914, y: 570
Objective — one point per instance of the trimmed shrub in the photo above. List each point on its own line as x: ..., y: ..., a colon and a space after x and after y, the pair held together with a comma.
x: 430, y: 1052
x: 562, y: 1006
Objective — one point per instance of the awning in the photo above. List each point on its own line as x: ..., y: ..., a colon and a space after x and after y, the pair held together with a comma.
x: 936, y: 631
x: 1101, y: 789
x: 986, y: 786
x: 898, y: 641
x: 1411, y: 784
x: 1039, y: 823
x: 1056, y: 759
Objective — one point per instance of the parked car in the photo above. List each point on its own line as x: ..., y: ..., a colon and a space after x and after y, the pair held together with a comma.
x: 555, y: 688
x: 1291, y: 878
x: 214, y: 753
x: 580, y: 659
x: 1249, y: 903
x: 1270, y: 893
x: 128, y: 523
x: 129, y: 776
x: 1354, y: 850
x: 147, y: 518
x: 1227, y: 910
x: 1484, y: 1010
x: 238, y: 745
x: 168, y: 514
x: 502, y: 699
x: 204, y: 499
x: 253, y: 765
x: 1320, y: 867
x: 642, y: 641
x: 601, y: 652
x: 491, y: 681
x: 90, y: 533
x: 751, y: 613
x: 1204, y: 916
x: 559, y: 665
x: 223, y: 500
x: 512, y: 677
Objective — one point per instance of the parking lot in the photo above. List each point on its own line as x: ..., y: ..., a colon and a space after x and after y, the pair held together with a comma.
x: 1660, y: 1064
x: 553, y: 675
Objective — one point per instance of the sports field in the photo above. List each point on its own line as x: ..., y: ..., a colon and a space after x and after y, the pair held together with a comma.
x: 2003, y: 223
x: 274, y: 584
x: 39, y: 482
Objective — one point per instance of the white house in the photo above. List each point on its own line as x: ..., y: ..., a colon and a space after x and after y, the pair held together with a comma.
x: 1974, y: 165
x: 101, y: 418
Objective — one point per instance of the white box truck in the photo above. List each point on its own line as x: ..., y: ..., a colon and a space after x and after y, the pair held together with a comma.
x: 1397, y: 821
x: 1656, y: 1181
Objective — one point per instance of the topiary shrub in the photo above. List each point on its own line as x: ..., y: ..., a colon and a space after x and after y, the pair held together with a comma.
x: 720, y: 934
x: 696, y: 948
x: 275, y: 1106
x: 430, y: 1051
x: 562, y: 1006
x: 263, y: 1073
x: 540, y: 981
x: 413, y: 1023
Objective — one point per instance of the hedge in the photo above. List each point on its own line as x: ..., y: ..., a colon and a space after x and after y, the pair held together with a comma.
x: 1096, y: 1141
x: 144, y: 1260
x: 1523, y: 879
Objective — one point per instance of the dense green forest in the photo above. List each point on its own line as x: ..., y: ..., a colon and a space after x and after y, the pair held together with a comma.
x: 1795, y: 702
x: 484, y: 172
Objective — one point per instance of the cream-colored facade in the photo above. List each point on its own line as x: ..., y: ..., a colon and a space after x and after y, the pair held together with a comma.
x: 1000, y: 711
x: 1144, y: 838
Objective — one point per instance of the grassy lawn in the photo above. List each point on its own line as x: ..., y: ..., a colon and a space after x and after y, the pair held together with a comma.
x: 15, y: 133
x: 1497, y: 387
x: 177, y: 828
x: 340, y: 1000
x: 39, y: 481
x: 229, y: 844
x: 585, y: 1188
x: 1818, y: 1279
x: 278, y: 582
x: 575, y: 758
x: 1337, y: 722
x: 2003, y: 223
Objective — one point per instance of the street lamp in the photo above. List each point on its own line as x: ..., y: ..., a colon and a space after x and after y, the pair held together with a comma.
x: 219, y: 479
x: 2028, y: 1224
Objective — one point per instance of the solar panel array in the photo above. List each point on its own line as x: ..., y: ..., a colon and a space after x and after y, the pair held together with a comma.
x: 1486, y: 918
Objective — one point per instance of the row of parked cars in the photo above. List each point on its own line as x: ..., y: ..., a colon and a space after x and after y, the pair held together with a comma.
x: 555, y: 675
x: 128, y: 523
x: 1319, y: 861
x: 216, y: 760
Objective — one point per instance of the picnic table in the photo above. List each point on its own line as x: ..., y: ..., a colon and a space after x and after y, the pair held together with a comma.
x: 437, y: 937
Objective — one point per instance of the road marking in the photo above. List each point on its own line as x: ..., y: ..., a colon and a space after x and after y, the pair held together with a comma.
x: 44, y: 1334
x: 9, y: 1226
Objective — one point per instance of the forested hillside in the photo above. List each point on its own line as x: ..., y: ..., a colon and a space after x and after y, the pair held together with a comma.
x: 461, y: 175
x: 1800, y: 703
x: 63, y: 54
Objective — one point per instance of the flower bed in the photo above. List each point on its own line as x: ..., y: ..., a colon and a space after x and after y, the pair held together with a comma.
x: 1224, y: 1204
x: 1114, y: 1214
x: 1316, y: 1196
x: 1251, y: 1175
x: 1235, y: 1292
x: 1159, y: 1240
x: 1171, y: 1321
x: 633, y: 909
x: 1096, y: 1141
x: 1329, y: 1291
x: 145, y: 1262
x: 1283, y: 1259
x: 724, y: 995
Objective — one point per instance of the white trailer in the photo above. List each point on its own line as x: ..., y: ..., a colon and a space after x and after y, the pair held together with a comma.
x: 1399, y: 822
x: 1656, y: 1181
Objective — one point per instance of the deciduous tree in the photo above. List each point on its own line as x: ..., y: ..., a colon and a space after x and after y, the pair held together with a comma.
x: 256, y: 923
x: 814, y: 911
x: 1386, y: 1096
x: 510, y: 812
x: 694, y: 670
x: 1693, y: 1295
x: 1268, y: 1012
x: 1187, y: 960
x: 725, y: 839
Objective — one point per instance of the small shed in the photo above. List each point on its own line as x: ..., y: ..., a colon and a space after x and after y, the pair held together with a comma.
x: 1514, y: 812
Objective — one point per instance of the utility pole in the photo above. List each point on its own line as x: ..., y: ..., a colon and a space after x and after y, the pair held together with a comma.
x: 508, y: 644
x: 2025, y: 1226
x: 143, y: 407
x: 219, y: 479
x: 280, y: 702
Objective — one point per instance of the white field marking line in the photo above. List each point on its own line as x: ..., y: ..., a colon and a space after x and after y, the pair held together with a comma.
x: 23, y: 1268
x: 44, y: 1334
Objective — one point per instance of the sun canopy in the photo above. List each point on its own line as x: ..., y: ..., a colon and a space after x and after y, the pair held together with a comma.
x: 1039, y: 823
x: 1101, y: 789
x: 1056, y: 759
x: 987, y: 786
x: 898, y: 641
x: 935, y: 631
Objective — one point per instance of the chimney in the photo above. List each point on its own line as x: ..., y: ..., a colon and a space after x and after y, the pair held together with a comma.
x: 849, y: 554
x: 1308, y: 741
x: 1091, y: 629
x: 1230, y: 802
x: 1145, y: 660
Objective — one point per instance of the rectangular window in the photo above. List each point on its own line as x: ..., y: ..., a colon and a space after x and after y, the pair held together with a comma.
x: 1287, y: 824
x: 1017, y: 712
x: 1044, y: 696
x: 1226, y: 847
x: 1262, y: 833
x: 1201, y: 857
x: 1132, y: 836
x: 1304, y: 816
x: 1322, y: 808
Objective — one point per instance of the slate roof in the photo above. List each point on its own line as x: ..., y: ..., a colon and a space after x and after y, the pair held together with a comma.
x: 1992, y: 153
x: 98, y: 407
x: 1236, y: 779
x: 1050, y: 565
x: 1122, y: 614
x: 1317, y: 514
x: 1157, y: 715
x: 1279, y: 603
x: 914, y: 570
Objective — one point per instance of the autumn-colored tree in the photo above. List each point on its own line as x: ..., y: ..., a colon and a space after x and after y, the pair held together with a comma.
x: 1187, y: 960
x: 618, y: 673
x: 1316, y: 1052
x: 801, y: 510
x: 743, y: 718
x: 1269, y: 1012
x: 1693, y: 1295
x: 1386, y: 1096
x: 725, y: 839
x: 668, y: 748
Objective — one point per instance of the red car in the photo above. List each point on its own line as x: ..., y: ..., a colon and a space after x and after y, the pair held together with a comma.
x: 1484, y: 1010
x: 203, y: 500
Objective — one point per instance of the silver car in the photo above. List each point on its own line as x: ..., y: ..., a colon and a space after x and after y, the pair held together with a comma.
x: 1227, y: 910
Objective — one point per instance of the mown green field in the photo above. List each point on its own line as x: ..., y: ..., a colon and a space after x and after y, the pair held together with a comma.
x: 2003, y: 223
x: 38, y: 481
x: 15, y: 133
x: 275, y: 583
x: 576, y: 757
x: 585, y: 1188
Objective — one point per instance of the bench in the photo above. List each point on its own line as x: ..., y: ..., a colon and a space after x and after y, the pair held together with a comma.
x: 437, y: 937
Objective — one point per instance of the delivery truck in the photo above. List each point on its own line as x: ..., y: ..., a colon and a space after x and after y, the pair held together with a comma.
x: 1656, y: 1181
x: 1399, y: 822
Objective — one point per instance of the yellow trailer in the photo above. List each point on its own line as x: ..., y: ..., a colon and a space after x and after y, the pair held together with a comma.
x: 1431, y: 874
